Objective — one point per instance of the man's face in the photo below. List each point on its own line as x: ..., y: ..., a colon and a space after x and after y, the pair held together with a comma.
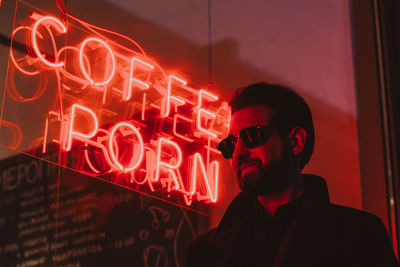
x: 262, y: 170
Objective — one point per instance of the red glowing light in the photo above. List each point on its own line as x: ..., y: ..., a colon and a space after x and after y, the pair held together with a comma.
x: 145, y: 137
x: 98, y: 144
x: 72, y: 133
x: 127, y: 92
x: 46, y: 130
x: 143, y: 107
x: 58, y: 25
x: 16, y: 132
x: 169, y: 167
x: 70, y: 75
x: 136, y: 158
x: 29, y: 73
x: 165, y: 109
x: 212, y: 188
x: 89, y: 162
x: 200, y: 110
x: 174, y: 128
x: 83, y: 65
x: 14, y: 93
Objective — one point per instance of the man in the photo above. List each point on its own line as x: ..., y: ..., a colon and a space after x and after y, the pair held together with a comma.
x: 283, y: 218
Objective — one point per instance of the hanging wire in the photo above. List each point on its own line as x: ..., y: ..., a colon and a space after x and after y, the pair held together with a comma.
x: 62, y: 6
x: 210, y: 62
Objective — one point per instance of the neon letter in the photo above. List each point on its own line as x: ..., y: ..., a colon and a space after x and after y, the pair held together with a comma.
x: 127, y: 92
x: 200, y: 110
x: 16, y: 131
x: 111, y: 150
x: 30, y: 73
x: 58, y: 26
x: 83, y: 66
x: 78, y: 135
x: 210, y: 187
x: 103, y: 148
x: 165, y: 109
x: 175, y: 132
x: 177, y: 153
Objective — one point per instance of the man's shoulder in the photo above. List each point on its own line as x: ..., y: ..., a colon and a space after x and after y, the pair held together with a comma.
x: 364, y: 236
x: 350, y: 215
x: 358, y: 225
x: 199, y: 251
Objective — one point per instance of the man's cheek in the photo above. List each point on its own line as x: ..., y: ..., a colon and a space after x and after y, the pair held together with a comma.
x: 233, y: 165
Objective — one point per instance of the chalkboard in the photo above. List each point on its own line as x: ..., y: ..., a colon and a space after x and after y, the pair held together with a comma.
x: 51, y: 216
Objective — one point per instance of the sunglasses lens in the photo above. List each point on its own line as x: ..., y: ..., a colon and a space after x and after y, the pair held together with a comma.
x: 227, y: 146
x: 252, y: 136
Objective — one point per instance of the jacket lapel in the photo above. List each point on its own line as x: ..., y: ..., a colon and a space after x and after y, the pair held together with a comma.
x: 311, y: 239
x: 233, y: 234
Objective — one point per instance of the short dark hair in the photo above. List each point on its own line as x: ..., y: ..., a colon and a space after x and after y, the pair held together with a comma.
x: 289, y: 109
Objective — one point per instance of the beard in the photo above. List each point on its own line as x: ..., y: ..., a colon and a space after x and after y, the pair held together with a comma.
x: 266, y: 180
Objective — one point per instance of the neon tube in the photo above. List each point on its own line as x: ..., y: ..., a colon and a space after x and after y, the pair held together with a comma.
x: 111, y: 150
x: 59, y: 27
x: 92, y: 39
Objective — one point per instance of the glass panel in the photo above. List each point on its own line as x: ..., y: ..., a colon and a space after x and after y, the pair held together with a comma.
x: 90, y: 223
x: 98, y: 102
x: 106, y: 225
x: 28, y: 211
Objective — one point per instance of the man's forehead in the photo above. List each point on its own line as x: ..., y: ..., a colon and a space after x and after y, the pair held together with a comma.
x: 250, y: 116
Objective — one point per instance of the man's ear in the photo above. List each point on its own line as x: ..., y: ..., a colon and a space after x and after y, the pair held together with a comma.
x: 297, y: 139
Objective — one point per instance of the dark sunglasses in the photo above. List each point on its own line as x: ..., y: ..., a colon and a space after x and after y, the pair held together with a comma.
x: 252, y: 136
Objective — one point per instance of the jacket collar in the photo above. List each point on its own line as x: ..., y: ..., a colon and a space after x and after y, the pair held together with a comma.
x: 311, y: 237
x: 230, y: 234
x: 309, y: 226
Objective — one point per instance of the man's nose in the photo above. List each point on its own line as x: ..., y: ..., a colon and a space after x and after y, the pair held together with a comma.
x: 240, y: 150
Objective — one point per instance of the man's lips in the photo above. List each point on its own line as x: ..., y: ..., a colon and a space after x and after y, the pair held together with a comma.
x: 248, y: 163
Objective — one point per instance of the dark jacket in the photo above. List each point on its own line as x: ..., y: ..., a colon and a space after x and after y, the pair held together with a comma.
x: 321, y: 234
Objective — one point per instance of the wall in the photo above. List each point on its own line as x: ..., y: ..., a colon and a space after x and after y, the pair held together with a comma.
x: 303, y: 44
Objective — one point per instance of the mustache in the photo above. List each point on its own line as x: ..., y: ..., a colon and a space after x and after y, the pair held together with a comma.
x: 243, y: 161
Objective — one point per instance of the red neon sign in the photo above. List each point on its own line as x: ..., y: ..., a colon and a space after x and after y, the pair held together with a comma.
x: 47, y: 21
x: 137, y: 156
x: 126, y: 113
x: 67, y: 135
x: 83, y: 45
x: 127, y: 93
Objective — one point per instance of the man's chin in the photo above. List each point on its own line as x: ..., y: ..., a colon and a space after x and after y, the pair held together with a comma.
x: 255, y: 184
x: 250, y: 185
x: 250, y: 191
